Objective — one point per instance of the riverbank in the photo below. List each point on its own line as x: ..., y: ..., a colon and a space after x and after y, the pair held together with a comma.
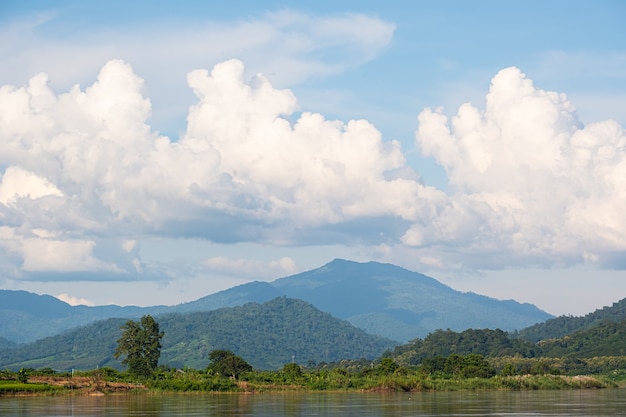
x: 83, y: 385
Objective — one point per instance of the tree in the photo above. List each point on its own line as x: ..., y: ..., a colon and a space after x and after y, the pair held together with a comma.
x: 141, y: 344
x: 225, y: 362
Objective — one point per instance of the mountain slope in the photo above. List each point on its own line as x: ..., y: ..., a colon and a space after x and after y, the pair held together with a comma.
x: 252, y: 292
x: 393, y: 302
x: 266, y: 335
x: 381, y: 299
x: 562, y: 326
x: 27, y: 317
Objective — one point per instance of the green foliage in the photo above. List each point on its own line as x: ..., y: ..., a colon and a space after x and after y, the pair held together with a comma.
x: 485, y: 342
x: 141, y: 344
x: 267, y: 335
x: 82, y: 348
x: 22, y: 376
x: 12, y: 387
x: 559, y: 366
x: 560, y: 327
x: 387, y: 366
x: 224, y: 362
x: 508, y: 370
x: 292, y: 371
x: 607, y: 338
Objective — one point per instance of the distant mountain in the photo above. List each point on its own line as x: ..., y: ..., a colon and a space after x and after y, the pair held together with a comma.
x: 393, y: 302
x: 565, y: 325
x: 6, y: 344
x: 27, y: 317
x: 253, y: 292
x: 382, y: 299
x: 266, y: 335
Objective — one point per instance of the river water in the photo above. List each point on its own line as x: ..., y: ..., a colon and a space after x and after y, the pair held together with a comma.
x: 604, y: 402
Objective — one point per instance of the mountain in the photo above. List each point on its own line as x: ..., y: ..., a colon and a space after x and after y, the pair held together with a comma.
x: 385, y: 300
x: 27, y: 317
x: 382, y: 299
x: 399, y: 304
x: 253, y: 292
x: 564, y: 325
x: 6, y: 343
x: 266, y: 335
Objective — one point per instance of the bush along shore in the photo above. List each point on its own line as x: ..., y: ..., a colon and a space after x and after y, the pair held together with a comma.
x: 471, y: 372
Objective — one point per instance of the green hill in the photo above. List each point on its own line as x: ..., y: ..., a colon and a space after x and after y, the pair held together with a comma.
x: 607, y: 338
x: 266, y: 335
x: 564, y: 325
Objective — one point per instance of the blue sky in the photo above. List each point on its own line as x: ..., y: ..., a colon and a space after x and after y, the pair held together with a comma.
x: 154, y: 153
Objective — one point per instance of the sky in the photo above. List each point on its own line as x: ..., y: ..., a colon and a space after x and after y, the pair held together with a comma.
x: 157, y: 152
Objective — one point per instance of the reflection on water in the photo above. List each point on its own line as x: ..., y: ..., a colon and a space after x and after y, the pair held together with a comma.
x: 606, y: 402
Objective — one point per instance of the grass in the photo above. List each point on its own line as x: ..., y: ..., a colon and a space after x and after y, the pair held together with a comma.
x: 13, y: 388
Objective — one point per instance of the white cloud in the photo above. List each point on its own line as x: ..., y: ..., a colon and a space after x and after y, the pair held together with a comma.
x: 74, y: 301
x: 531, y: 184
x: 88, y: 177
x: 18, y: 183
x: 289, y: 47
x: 242, y: 171
x: 44, y: 255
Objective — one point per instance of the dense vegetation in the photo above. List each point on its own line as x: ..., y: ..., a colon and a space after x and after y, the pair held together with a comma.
x: 469, y: 372
x: 562, y: 326
x: 605, y: 339
x: 268, y: 335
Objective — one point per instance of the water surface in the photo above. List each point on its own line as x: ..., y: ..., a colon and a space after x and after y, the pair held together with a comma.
x: 605, y: 402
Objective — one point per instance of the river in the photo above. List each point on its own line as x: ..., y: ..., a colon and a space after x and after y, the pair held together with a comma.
x: 603, y: 402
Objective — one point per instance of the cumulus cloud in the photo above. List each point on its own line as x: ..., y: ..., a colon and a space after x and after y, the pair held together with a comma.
x: 289, y: 47
x: 85, y: 178
x: 531, y: 184
x: 84, y: 166
x: 74, y: 301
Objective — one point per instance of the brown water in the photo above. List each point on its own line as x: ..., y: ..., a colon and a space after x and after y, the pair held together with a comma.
x: 606, y: 402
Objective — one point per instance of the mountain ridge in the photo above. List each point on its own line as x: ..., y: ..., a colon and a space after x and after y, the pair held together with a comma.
x: 267, y: 335
x: 382, y: 299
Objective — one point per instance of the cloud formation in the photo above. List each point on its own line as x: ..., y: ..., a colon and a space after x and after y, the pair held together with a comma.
x: 84, y: 166
x: 85, y: 177
x: 531, y: 184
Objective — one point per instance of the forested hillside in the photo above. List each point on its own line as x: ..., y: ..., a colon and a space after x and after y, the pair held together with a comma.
x: 605, y: 339
x: 266, y: 335
x: 562, y: 326
x: 485, y: 342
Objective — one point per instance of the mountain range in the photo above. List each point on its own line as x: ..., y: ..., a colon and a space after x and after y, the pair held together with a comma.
x: 381, y: 299
x: 267, y: 335
x: 343, y: 310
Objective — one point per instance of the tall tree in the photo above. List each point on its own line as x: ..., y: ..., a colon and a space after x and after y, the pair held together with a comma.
x: 141, y: 344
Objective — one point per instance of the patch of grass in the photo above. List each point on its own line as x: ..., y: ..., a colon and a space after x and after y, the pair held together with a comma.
x: 13, y: 387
